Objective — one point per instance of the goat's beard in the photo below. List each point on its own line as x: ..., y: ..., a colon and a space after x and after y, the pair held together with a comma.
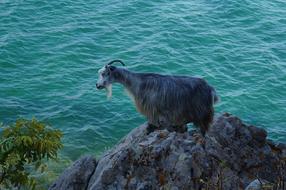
x: 109, y: 91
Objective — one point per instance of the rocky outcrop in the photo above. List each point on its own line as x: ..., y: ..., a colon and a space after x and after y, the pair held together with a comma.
x: 77, y: 176
x: 231, y: 156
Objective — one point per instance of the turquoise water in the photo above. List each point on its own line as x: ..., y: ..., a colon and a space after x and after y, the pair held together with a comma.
x: 50, y: 52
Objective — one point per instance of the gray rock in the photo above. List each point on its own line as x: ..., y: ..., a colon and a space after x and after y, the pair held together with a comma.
x: 230, y: 156
x: 257, y: 185
x: 77, y: 176
x: 258, y: 134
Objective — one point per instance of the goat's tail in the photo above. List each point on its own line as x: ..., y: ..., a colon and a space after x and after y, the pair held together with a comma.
x: 215, y: 97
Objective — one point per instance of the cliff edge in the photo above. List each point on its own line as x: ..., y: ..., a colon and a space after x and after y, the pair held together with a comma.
x: 232, y: 156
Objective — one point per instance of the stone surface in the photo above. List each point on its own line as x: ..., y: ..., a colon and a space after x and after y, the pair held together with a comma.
x: 231, y: 156
x: 259, y: 185
x: 77, y: 176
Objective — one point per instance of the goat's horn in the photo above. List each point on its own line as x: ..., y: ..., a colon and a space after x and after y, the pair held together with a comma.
x: 111, y: 62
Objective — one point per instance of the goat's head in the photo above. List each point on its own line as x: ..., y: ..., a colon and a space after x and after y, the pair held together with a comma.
x: 106, y: 77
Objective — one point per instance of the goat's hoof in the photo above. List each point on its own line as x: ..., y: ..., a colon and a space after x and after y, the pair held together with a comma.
x: 150, y: 128
x: 179, y: 129
x: 183, y: 129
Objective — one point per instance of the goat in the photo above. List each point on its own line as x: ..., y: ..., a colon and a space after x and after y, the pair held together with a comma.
x: 166, y: 101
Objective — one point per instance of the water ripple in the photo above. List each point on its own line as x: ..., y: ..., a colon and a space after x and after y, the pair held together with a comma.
x: 50, y: 52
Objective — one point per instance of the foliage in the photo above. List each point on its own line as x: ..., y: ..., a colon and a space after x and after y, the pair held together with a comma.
x: 23, y: 146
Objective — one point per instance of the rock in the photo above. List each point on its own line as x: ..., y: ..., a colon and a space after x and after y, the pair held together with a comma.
x: 77, y: 176
x: 258, y: 134
x: 230, y: 156
x: 278, y: 147
x: 257, y: 185
x: 281, y: 146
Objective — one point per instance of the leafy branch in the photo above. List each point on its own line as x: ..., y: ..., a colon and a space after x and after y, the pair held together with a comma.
x: 26, y: 143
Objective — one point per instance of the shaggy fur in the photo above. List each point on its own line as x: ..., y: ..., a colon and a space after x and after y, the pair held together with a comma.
x: 169, y: 101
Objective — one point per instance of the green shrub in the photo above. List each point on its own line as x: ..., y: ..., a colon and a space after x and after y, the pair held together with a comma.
x: 24, y: 148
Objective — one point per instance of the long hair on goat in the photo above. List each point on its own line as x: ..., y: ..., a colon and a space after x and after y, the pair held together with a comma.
x: 170, y: 97
x: 169, y: 100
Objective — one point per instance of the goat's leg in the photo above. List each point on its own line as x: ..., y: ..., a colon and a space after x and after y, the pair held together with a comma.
x: 182, y: 128
x: 204, y: 124
x: 171, y: 128
x: 151, y: 128
x: 178, y: 128
x: 164, y: 123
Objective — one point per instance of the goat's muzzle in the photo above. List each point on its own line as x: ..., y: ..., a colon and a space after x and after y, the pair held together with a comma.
x: 99, y: 86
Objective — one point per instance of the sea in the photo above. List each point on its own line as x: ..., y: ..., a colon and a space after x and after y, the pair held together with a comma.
x: 50, y: 52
